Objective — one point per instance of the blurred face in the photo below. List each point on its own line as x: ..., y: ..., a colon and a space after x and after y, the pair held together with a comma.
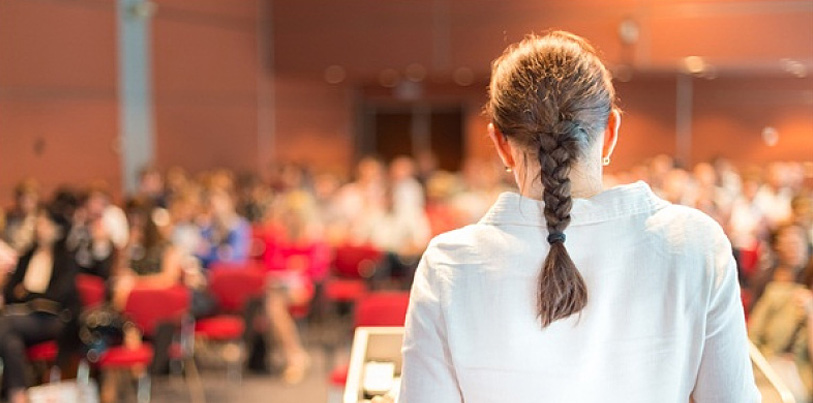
x: 750, y: 189
x: 369, y: 170
x: 28, y: 202
x: 220, y: 203
x: 803, y: 209
x: 151, y: 183
x: 96, y: 204
x: 791, y: 247
x: 704, y: 174
x: 777, y: 175
x: 401, y: 168
x: 47, y: 231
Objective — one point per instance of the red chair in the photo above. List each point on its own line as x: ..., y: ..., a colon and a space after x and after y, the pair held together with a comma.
x: 384, y: 308
x: 351, y: 265
x: 91, y: 291
x: 232, y: 286
x: 147, y: 308
x: 41, y: 356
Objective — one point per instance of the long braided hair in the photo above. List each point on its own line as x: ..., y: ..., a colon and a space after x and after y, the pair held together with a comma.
x: 552, y: 96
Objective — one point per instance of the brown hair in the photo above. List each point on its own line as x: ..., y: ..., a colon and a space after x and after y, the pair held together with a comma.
x: 552, y: 96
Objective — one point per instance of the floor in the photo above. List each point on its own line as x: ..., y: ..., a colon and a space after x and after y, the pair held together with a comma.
x: 252, y: 388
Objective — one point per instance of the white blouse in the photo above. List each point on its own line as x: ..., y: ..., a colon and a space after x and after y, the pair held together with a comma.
x: 663, y: 321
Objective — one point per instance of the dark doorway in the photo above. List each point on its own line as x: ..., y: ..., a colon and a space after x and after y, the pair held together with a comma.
x: 409, y: 130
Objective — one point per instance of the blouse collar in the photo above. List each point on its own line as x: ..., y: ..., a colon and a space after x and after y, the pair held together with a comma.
x: 620, y: 201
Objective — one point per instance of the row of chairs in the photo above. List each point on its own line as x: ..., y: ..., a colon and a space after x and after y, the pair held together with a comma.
x: 232, y: 286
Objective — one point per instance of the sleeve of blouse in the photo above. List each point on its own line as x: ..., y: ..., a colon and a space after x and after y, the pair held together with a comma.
x: 427, y: 374
x: 725, y: 374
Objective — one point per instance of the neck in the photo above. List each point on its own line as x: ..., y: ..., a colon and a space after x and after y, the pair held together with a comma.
x: 585, y: 182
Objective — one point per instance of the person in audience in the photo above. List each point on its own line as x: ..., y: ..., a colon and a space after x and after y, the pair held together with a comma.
x: 41, y: 301
x: 774, y: 195
x: 801, y: 207
x: 361, y: 198
x: 708, y: 196
x: 677, y: 187
x: 100, y: 232
x: 151, y: 262
x: 401, y: 234
x: 407, y: 192
x: 225, y: 234
x: 778, y: 324
x: 325, y: 190
x: 788, y: 257
x: 441, y: 215
x: 151, y: 187
x: 747, y: 225
x: 21, y: 218
x: 299, y: 258
x: 481, y: 186
x: 254, y: 198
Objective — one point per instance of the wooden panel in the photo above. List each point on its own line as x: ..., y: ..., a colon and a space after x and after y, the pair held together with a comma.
x: 204, y: 136
x: 733, y: 40
x: 731, y: 114
x: 314, y: 124
x: 210, y: 9
x: 57, y: 44
x: 193, y: 58
x: 58, y: 142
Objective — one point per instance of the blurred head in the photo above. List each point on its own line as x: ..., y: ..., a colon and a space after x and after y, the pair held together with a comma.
x: 802, y: 208
x: 51, y: 227
x: 220, y: 202
x: 751, y: 181
x: 790, y: 245
x: 705, y: 174
x: 370, y: 170
x: 97, y: 199
x: 27, y: 196
x: 148, y: 224
x: 150, y: 181
x: 777, y: 175
x: 552, y: 109
x: 402, y: 168
x: 184, y: 205
x: 675, y: 183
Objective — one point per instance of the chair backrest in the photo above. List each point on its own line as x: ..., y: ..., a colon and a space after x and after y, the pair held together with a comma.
x: 233, y: 285
x: 356, y: 261
x: 91, y: 290
x: 382, y: 308
x: 149, y: 307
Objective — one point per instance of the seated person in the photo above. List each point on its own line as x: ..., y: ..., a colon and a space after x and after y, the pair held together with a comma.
x: 153, y: 262
x: 41, y: 301
x: 20, y: 219
x: 226, y: 237
x: 297, y: 257
x: 778, y: 324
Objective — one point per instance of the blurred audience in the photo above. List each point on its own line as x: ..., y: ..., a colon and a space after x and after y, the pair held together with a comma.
x: 40, y: 299
x: 778, y: 323
x: 176, y: 226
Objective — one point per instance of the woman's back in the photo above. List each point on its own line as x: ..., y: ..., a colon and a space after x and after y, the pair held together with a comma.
x: 663, y: 318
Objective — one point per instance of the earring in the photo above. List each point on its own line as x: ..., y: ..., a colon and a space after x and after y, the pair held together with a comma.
x: 605, y: 161
x: 508, y: 169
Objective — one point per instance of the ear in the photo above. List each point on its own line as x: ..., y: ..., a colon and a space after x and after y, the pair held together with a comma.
x: 502, y: 145
x: 611, y: 133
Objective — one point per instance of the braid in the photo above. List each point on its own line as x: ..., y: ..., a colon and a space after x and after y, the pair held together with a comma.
x: 552, y: 96
x: 562, y: 291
